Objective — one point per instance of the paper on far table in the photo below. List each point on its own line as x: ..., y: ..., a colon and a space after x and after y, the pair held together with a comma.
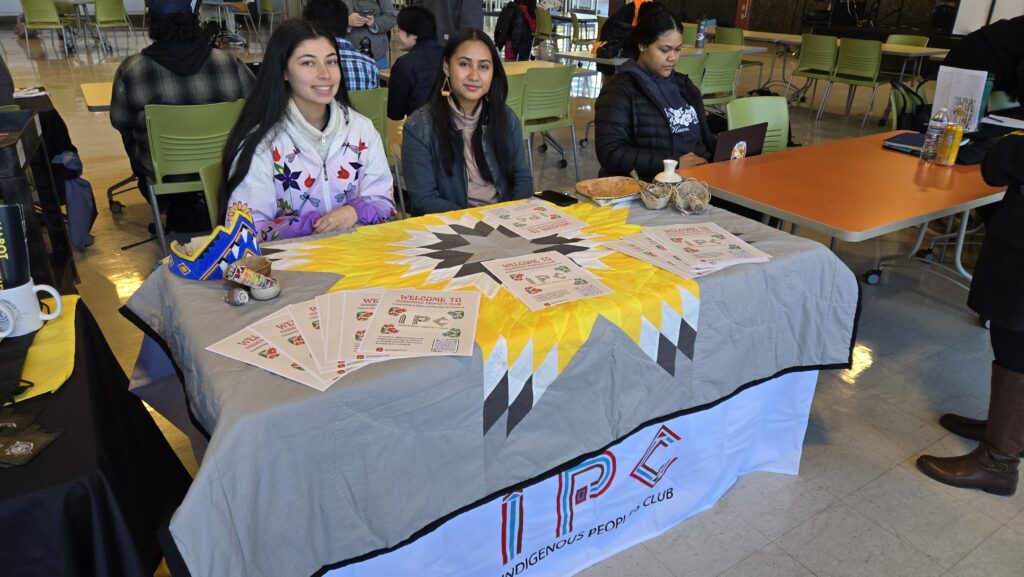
x: 423, y: 323
x: 307, y: 320
x: 532, y: 219
x: 637, y: 247
x: 960, y: 91
x: 546, y: 279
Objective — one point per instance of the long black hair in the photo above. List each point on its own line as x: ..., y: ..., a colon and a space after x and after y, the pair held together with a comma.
x: 654, y: 21
x: 268, y: 101
x: 493, y: 115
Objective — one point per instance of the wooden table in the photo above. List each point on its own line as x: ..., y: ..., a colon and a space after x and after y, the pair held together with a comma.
x: 97, y: 95
x: 852, y: 189
x: 686, y: 52
x: 512, y: 68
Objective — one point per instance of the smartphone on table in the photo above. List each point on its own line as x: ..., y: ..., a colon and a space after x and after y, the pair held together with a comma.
x: 557, y: 198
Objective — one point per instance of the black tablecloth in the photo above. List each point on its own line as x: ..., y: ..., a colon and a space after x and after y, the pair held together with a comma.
x: 90, y: 503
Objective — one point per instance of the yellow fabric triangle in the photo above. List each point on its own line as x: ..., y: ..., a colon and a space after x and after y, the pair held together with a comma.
x: 51, y: 358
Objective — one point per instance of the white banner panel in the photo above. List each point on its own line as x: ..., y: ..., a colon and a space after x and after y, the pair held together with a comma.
x: 637, y: 489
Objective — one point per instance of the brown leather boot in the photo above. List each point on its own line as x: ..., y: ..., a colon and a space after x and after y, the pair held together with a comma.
x: 992, y: 467
x: 972, y: 429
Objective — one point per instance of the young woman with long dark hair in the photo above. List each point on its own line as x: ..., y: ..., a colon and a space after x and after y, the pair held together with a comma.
x: 300, y: 158
x: 648, y: 112
x: 465, y: 146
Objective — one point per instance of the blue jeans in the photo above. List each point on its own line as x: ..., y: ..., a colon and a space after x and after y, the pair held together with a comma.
x: 382, y: 63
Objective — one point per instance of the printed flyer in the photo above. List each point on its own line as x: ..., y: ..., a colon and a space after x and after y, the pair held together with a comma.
x: 532, y: 219
x: 354, y: 319
x: 280, y: 331
x: 250, y: 348
x: 545, y: 279
x: 423, y: 323
x: 706, y: 245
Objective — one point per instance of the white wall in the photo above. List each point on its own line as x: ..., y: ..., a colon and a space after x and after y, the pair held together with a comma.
x: 973, y: 14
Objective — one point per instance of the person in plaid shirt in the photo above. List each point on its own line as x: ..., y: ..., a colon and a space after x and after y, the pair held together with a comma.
x: 179, y: 67
x: 358, y: 71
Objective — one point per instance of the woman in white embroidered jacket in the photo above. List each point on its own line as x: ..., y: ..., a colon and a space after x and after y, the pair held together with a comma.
x: 300, y: 158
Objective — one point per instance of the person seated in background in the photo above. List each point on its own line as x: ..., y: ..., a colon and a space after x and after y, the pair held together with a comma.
x: 299, y: 157
x: 414, y: 74
x: 648, y: 112
x: 6, y: 84
x: 465, y: 147
x: 180, y: 67
x: 372, y: 20
x: 360, y: 70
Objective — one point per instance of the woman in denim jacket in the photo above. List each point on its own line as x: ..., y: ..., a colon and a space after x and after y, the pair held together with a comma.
x: 465, y: 146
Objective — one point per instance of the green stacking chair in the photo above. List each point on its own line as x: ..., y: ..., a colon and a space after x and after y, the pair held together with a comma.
x: 514, y: 98
x: 718, y: 84
x: 267, y: 9
x: 581, y: 35
x: 857, y: 65
x: 757, y: 109
x: 211, y: 176
x: 111, y: 14
x: 42, y: 15
x: 817, y: 61
x: 373, y: 104
x: 689, y: 34
x: 734, y: 37
x: 692, y: 67
x: 895, y: 66
x: 547, y: 106
x: 600, y: 24
x: 182, y: 140
x: 545, y: 28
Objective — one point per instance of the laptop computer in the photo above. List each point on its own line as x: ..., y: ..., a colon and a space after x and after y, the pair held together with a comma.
x: 741, y: 142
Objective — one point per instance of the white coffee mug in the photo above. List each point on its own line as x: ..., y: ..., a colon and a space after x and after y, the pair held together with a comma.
x: 6, y: 320
x: 23, y: 303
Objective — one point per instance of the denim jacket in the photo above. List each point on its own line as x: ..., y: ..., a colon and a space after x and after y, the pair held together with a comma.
x: 432, y: 190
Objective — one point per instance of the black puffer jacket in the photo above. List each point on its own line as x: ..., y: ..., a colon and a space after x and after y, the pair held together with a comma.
x: 997, y: 289
x: 631, y: 128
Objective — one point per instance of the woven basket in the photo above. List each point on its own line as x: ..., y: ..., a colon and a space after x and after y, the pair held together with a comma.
x: 659, y: 194
x: 691, y: 197
x: 260, y: 264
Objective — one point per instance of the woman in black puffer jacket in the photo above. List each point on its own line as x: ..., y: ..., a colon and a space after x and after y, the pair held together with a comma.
x: 648, y: 112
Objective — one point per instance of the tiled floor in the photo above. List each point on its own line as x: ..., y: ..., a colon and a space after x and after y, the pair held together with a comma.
x: 858, y: 507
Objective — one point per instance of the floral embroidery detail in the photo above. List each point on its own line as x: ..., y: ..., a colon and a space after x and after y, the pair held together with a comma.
x: 343, y: 174
x: 277, y: 155
x: 291, y: 156
x: 288, y: 179
x: 362, y: 146
x: 309, y: 181
x: 284, y: 207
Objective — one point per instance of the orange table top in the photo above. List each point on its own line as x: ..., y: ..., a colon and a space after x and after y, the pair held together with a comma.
x: 851, y: 189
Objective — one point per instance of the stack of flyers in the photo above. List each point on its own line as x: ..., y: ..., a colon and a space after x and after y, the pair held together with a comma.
x: 544, y: 279
x: 319, y: 341
x: 645, y: 248
x: 706, y: 246
x: 532, y: 219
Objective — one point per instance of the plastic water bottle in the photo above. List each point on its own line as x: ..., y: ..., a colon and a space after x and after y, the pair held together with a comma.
x: 702, y: 31
x: 931, y: 140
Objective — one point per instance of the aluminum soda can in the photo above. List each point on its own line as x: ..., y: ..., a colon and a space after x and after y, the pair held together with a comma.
x: 949, y: 144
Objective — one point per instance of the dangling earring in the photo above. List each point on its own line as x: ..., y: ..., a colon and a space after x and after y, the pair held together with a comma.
x: 446, y: 89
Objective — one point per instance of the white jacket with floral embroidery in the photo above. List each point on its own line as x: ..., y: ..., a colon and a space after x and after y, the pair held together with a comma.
x: 288, y: 188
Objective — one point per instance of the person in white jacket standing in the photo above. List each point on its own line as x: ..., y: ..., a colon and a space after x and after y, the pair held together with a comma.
x: 300, y: 159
